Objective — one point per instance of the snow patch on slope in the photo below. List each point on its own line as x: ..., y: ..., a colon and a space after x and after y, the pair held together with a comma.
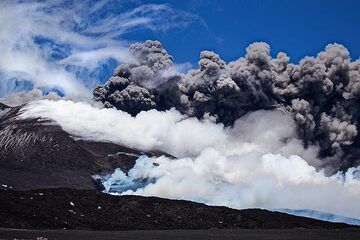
x: 320, y: 216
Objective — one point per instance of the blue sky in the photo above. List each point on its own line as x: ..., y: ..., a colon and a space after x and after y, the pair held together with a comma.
x: 298, y: 28
x: 71, y: 46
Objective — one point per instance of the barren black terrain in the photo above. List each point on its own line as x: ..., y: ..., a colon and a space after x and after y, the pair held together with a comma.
x: 64, y: 208
x: 213, y: 234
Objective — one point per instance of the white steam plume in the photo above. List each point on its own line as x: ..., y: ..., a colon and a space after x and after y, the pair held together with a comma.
x: 259, y: 162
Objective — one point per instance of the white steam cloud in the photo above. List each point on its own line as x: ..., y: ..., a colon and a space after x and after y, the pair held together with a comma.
x: 259, y: 162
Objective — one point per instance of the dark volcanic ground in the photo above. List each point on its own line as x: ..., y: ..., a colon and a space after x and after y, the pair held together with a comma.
x: 90, y: 210
x: 212, y: 234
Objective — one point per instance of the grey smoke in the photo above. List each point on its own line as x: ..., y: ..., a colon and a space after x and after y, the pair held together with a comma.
x: 322, y: 93
x: 22, y: 97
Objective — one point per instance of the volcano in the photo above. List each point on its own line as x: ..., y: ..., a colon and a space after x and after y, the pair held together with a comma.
x: 48, y: 173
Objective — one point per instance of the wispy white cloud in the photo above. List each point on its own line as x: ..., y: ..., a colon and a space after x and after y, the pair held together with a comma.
x: 39, y: 40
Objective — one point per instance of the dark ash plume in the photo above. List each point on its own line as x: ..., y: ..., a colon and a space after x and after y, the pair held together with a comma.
x: 322, y: 93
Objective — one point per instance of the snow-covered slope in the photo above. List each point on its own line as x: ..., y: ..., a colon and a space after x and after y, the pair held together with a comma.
x: 329, y: 217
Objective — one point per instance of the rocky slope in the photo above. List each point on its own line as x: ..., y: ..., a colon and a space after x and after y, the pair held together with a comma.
x: 3, y: 106
x: 88, y: 209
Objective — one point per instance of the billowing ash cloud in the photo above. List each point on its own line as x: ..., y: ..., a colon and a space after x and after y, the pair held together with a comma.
x: 321, y: 93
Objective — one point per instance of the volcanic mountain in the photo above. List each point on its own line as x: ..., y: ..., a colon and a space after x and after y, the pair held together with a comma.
x: 36, y: 153
x: 47, y: 173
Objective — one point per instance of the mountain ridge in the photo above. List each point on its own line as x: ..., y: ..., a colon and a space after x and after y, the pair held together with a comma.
x: 37, y: 153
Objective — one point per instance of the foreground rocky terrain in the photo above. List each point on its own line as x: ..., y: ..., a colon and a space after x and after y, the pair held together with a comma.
x: 64, y: 208
x: 213, y: 234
